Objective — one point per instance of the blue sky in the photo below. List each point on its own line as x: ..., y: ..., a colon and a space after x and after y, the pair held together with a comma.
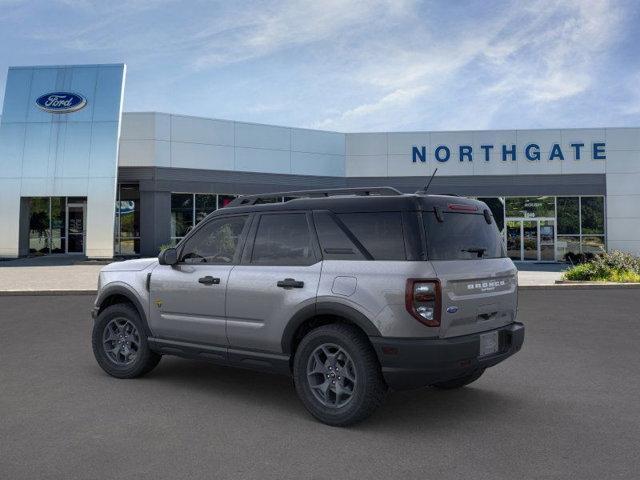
x: 376, y: 65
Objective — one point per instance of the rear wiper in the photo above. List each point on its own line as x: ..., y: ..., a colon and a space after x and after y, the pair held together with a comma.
x: 479, y: 251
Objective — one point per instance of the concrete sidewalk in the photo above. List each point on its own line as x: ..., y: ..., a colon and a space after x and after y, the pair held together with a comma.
x: 63, y: 274
x: 59, y: 275
x: 538, y: 274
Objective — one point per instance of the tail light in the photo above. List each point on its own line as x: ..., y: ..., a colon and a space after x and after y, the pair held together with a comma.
x: 422, y: 299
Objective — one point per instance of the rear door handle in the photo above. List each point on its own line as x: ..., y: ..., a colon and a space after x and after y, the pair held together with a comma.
x: 290, y: 283
x: 209, y: 280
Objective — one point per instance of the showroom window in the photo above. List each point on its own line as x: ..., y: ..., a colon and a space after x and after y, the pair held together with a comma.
x: 580, y: 225
x: 189, y: 209
x: 56, y: 225
x: 530, y: 207
x: 127, y: 226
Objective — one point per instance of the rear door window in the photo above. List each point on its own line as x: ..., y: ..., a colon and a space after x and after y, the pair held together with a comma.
x: 379, y: 232
x: 283, y: 239
x: 462, y: 236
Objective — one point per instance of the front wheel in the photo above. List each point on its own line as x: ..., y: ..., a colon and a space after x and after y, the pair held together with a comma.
x: 120, y: 343
x: 337, y: 375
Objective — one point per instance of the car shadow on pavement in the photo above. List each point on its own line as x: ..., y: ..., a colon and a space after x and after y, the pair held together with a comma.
x: 402, y: 411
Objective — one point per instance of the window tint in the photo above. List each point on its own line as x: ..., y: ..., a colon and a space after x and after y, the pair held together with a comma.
x: 335, y: 244
x: 379, y: 232
x: 216, y: 242
x: 462, y: 236
x: 283, y: 240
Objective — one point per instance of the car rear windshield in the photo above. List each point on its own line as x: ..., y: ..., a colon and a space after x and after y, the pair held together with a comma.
x: 462, y: 236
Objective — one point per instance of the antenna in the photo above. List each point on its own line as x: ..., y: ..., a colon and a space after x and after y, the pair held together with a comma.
x: 426, y: 187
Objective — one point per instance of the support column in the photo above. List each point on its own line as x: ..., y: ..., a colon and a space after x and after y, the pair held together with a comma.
x: 155, y: 221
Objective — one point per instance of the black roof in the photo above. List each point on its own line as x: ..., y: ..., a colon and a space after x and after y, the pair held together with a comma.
x: 359, y: 203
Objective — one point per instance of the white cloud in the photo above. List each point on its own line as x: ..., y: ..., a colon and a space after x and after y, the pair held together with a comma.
x: 538, y: 54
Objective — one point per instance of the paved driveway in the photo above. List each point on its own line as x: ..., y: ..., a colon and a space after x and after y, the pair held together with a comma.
x: 567, y: 406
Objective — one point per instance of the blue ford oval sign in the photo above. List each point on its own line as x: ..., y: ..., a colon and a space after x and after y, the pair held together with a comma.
x: 61, y: 102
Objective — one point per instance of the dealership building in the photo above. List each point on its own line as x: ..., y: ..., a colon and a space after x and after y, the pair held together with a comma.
x: 80, y: 176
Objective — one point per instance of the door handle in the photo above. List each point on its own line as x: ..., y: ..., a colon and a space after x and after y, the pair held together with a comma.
x: 290, y: 283
x: 209, y: 280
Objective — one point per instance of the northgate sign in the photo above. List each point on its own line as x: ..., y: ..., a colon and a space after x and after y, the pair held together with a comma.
x: 531, y: 152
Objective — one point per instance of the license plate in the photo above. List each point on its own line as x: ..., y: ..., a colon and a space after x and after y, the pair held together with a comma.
x: 488, y: 343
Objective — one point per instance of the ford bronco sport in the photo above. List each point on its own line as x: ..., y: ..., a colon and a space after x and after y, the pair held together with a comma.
x: 349, y: 291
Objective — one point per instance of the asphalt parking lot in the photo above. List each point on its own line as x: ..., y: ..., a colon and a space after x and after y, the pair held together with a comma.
x: 567, y: 406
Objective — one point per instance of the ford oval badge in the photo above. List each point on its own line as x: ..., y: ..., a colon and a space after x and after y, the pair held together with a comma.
x: 452, y: 309
x: 61, y: 102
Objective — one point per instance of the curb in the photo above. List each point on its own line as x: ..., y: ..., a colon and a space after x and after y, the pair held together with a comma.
x: 22, y: 293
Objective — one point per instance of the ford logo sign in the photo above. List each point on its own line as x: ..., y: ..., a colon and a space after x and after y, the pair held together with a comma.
x: 61, y: 102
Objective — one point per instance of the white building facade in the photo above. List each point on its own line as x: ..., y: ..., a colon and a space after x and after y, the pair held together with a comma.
x: 553, y: 192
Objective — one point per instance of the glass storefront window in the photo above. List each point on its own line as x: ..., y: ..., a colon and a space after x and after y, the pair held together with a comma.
x: 580, y: 223
x: 592, y: 213
x: 530, y: 207
x: 568, y: 216
x: 224, y: 200
x: 39, y: 225
x: 58, y: 217
x: 48, y: 227
x: 567, y: 244
x: 189, y: 209
x: 205, y: 204
x: 181, y: 214
x: 593, y: 244
x: 127, y: 226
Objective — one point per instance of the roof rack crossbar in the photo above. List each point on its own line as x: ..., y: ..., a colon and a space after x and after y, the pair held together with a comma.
x: 244, y: 200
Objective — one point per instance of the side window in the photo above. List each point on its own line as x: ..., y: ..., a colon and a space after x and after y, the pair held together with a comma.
x: 335, y: 244
x: 216, y: 242
x: 379, y: 232
x: 283, y: 239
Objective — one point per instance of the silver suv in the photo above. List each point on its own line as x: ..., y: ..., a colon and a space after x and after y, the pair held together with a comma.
x: 350, y: 291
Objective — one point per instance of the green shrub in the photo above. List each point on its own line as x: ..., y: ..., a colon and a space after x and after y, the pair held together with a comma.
x: 607, y: 267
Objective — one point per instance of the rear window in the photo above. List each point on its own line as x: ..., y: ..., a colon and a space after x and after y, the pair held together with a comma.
x: 462, y: 236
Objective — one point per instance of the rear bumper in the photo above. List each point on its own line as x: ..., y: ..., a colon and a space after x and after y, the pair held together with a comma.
x: 413, y: 363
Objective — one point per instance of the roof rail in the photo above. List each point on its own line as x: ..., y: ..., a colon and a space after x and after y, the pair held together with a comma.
x: 245, y: 200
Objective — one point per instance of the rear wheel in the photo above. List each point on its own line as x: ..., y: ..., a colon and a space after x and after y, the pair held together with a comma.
x: 337, y: 375
x: 119, y: 343
x: 459, y: 382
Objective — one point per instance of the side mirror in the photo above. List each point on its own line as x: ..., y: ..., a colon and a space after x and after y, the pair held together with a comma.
x: 168, y: 257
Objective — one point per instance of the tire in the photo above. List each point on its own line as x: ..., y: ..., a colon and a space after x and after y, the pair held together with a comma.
x: 125, y: 326
x: 360, y: 378
x: 459, y: 382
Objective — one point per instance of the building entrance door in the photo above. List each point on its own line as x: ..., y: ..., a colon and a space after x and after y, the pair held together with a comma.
x: 531, y: 239
x: 76, y: 230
